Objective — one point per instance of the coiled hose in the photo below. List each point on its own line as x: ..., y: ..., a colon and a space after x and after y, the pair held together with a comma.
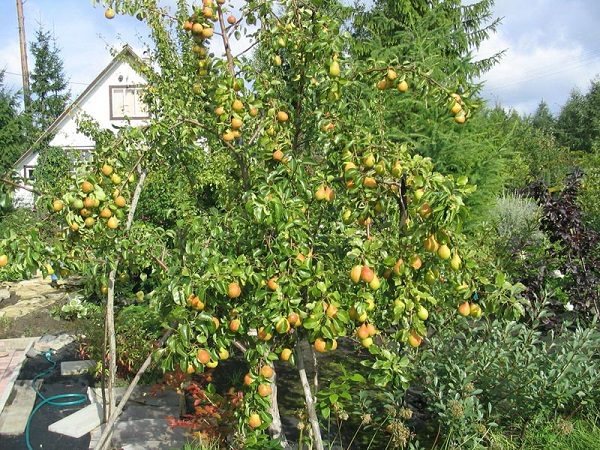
x: 55, y: 400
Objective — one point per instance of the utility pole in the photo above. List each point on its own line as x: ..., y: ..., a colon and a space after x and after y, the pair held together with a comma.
x: 23, y: 43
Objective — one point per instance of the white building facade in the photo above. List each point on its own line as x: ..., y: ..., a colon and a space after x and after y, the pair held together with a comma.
x: 113, y: 100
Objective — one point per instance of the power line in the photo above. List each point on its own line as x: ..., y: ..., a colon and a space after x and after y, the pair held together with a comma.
x: 70, y: 82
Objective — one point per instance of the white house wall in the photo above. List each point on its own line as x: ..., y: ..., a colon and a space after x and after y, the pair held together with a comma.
x: 96, y: 104
x: 22, y: 197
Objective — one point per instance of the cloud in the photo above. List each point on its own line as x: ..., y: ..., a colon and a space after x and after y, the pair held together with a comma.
x: 551, y: 50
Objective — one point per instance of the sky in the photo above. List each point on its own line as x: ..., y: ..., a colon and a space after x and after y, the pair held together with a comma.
x: 552, y: 46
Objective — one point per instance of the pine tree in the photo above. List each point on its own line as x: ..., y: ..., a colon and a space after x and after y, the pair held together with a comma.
x: 573, y: 125
x: 48, y: 82
x: 13, y: 125
x: 543, y: 119
x: 426, y: 30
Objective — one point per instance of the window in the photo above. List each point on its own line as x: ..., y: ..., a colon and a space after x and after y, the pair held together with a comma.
x: 126, y: 102
x: 28, y: 172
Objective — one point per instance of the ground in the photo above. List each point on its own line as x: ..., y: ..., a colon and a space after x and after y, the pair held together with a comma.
x: 26, y: 308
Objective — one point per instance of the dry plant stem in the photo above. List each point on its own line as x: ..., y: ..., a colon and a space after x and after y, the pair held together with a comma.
x: 20, y: 186
x: 308, y: 397
x: 316, y: 368
x: 226, y: 41
x: 110, y: 312
x: 276, y: 429
x: 104, y: 438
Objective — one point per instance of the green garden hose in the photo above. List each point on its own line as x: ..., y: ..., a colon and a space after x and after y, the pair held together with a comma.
x: 75, y: 399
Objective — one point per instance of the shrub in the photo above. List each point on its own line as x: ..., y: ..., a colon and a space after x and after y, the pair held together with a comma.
x: 137, y: 329
x: 564, y: 224
x: 590, y: 191
x: 477, y: 375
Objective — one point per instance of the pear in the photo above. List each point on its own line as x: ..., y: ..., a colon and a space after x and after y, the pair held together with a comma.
x: 455, y: 262
x: 464, y: 309
x: 355, y: 274
x: 444, y: 252
x: 334, y: 69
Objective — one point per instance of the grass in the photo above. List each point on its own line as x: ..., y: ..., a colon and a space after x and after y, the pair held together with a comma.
x: 577, y: 434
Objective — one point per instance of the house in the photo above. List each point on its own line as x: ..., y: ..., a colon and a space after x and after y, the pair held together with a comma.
x: 113, y: 100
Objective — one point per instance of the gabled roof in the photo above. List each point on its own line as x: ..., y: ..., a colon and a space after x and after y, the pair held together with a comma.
x: 126, y: 53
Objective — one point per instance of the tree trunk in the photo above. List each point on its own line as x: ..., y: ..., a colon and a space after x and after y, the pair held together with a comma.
x: 310, y: 404
x: 104, y: 439
x: 110, y: 313
x: 276, y: 429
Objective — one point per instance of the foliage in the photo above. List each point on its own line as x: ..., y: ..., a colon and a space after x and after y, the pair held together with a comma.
x: 49, y: 94
x: 542, y: 119
x: 315, y: 189
x: 52, y: 171
x: 563, y: 223
x: 76, y: 308
x: 13, y: 128
x: 589, y: 191
x: 577, y: 126
x: 137, y: 330
x: 493, y: 373
x: 24, y: 234
x: 562, y: 433
x: 443, y: 29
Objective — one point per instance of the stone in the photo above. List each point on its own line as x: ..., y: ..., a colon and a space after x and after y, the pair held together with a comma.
x: 51, y: 342
x: 14, y: 416
x: 76, y: 367
x: 79, y: 423
x: 4, y: 294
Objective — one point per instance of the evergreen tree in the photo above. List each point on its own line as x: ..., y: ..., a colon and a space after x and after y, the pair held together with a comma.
x: 48, y: 82
x: 543, y: 119
x: 572, y: 128
x: 13, y: 126
x: 429, y: 30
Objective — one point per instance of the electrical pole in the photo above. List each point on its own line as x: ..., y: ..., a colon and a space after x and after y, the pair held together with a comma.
x: 23, y: 43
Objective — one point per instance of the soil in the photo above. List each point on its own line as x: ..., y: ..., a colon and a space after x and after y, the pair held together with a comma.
x: 53, y: 384
x: 37, y: 324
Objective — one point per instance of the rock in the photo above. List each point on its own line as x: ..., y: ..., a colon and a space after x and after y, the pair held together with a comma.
x: 4, y: 294
x: 80, y: 423
x: 51, y: 342
x: 76, y: 367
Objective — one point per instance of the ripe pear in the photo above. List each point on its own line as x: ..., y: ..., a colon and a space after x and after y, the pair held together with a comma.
x: 403, y: 86
x: 397, y: 169
x: 475, y: 311
x: 418, y: 195
x: 369, y: 182
x: 414, y: 340
x: 277, y: 60
x: 282, y: 116
x: 416, y: 262
x: 366, y: 343
x: 422, y: 313
x: 334, y: 69
x: 398, y: 266
x: 460, y: 118
x: 455, y: 262
x: 362, y: 332
x: 444, y: 252
x: 464, y: 309
x: 369, y: 161
x: 375, y: 283
x: 321, y: 193
x: 237, y: 106
x: 367, y: 274
x: 355, y: 274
